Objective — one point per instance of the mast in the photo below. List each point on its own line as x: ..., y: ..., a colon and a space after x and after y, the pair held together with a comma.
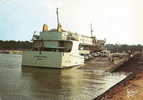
x: 59, y: 26
x: 93, y: 37
x: 91, y: 30
x: 58, y: 22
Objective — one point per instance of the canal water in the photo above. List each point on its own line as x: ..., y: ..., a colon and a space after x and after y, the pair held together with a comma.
x: 27, y: 83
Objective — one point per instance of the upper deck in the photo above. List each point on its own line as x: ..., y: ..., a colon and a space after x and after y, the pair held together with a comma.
x: 59, y: 38
x: 54, y: 36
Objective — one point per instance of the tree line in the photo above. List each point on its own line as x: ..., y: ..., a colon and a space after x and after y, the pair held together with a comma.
x: 124, y: 47
x: 22, y: 45
x: 15, y: 45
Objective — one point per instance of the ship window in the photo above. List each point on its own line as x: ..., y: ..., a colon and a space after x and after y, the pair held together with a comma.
x: 63, y: 46
x: 66, y: 44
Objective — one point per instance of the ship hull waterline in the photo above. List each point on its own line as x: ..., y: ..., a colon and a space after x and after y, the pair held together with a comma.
x: 46, y: 59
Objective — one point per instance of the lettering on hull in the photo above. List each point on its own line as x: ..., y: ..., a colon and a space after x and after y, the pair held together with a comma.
x: 40, y: 57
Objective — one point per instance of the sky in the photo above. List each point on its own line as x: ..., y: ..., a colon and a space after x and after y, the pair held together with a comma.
x: 117, y: 21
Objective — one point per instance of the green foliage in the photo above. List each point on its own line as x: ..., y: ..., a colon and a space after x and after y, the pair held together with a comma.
x: 15, y: 45
x: 124, y: 47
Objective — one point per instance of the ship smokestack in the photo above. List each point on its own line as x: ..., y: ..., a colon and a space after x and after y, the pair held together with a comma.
x: 45, y: 28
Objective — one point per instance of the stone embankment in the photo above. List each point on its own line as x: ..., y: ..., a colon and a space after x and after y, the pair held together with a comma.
x: 131, y: 88
x: 107, y: 64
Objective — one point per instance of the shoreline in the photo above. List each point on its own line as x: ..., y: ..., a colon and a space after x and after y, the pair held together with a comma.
x: 11, y: 52
x: 131, y: 88
x: 97, y: 63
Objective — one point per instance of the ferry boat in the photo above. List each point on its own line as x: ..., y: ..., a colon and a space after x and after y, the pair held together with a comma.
x: 57, y: 48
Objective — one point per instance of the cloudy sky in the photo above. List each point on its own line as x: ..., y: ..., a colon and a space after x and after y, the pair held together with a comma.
x: 119, y: 21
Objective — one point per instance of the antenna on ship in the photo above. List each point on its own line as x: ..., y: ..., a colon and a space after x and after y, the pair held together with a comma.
x: 59, y: 26
x: 91, y: 30
x: 58, y: 22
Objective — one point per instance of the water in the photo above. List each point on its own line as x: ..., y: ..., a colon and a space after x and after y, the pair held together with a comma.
x: 24, y: 83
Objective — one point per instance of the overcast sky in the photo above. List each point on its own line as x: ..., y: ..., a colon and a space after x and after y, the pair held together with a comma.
x: 119, y: 21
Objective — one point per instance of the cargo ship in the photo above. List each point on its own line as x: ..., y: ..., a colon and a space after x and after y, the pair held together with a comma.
x: 58, y: 48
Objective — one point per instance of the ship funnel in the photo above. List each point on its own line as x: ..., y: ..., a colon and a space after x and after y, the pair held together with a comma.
x: 45, y: 28
x: 59, y: 28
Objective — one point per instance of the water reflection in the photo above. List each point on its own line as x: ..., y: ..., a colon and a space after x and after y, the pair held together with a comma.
x: 52, y: 84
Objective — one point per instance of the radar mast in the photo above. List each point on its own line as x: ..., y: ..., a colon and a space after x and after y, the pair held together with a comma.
x: 91, y: 30
x: 59, y: 26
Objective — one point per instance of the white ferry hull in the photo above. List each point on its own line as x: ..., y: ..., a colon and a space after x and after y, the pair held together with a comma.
x: 51, y: 59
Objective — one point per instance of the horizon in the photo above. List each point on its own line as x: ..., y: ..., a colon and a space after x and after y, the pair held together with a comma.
x: 120, y: 22
x: 105, y: 43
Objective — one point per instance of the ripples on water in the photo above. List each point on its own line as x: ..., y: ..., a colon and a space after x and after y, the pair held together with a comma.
x: 27, y: 83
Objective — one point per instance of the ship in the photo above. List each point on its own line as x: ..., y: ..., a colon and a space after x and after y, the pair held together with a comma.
x: 58, y: 48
